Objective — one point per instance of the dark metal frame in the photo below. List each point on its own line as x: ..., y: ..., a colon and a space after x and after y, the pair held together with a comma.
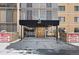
x: 34, y: 23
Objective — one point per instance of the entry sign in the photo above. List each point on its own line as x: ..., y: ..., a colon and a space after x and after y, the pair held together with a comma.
x: 5, y: 37
x: 73, y: 37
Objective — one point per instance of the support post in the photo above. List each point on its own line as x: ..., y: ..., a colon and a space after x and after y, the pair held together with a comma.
x: 56, y: 33
x: 21, y: 32
x: 45, y: 32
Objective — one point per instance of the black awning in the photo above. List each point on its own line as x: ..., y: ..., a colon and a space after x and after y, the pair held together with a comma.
x: 36, y: 23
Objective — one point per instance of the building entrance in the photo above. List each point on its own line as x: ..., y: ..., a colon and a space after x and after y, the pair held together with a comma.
x: 36, y: 32
x: 38, y: 29
x: 29, y: 32
x: 40, y: 32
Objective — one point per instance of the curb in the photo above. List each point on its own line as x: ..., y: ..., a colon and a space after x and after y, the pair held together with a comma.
x: 15, y: 41
x: 70, y: 44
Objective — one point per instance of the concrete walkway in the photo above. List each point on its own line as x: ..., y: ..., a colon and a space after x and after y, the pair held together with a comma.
x: 44, y: 46
x: 39, y: 43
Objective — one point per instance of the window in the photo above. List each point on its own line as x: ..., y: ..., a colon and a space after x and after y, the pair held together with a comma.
x: 29, y: 4
x: 6, y: 16
x: 76, y: 19
x: 76, y: 8
x: 6, y: 19
x: 8, y: 5
x: 49, y: 15
x: 62, y: 19
x: 61, y: 29
x: 49, y: 4
x: 9, y: 16
x: 2, y: 16
x: 61, y: 8
x: 76, y: 30
x: 42, y: 14
x: 29, y: 14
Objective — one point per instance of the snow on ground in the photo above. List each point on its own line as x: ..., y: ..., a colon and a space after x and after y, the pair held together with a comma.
x: 3, y: 45
x: 76, y: 44
x: 4, y: 51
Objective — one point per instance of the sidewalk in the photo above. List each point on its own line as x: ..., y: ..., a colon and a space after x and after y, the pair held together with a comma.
x: 44, y: 46
x: 4, y: 51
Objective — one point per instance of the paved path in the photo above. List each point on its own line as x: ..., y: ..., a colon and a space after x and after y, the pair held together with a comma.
x: 44, y: 46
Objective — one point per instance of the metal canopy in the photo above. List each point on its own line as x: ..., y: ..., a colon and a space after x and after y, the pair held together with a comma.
x: 36, y: 23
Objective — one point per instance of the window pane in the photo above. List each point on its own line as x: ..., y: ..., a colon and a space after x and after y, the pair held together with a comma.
x: 9, y: 16
x: 29, y: 14
x: 61, y: 8
x: 62, y: 19
x: 76, y: 8
x: 76, y: 30
x: 29, y: 4
x: 76, y: 19
x: 61, y: 29
x: 49, y: 4
x: 35, y: 15
x: 42, y: 15
x: 49, y: 15
x: 8, y: 5
x: 2, y: 16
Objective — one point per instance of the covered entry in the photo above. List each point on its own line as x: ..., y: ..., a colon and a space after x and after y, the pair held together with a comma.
x: 34, y: 32
x: 40, y: 32
x: 29, y: 32
x: 40, y: 26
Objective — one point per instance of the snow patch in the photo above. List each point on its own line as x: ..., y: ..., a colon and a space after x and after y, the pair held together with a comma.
x: 76, y: 44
